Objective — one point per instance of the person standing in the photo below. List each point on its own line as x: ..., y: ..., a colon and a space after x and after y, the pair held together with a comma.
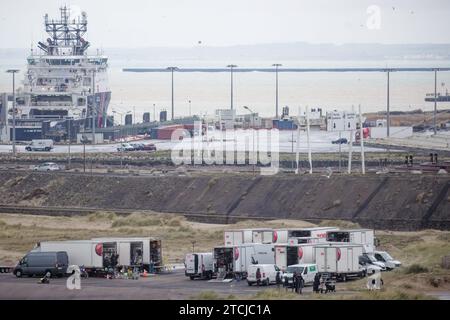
x: 316, y: 283
x: 295, y: 282
x: 258, y: 277
x: 278, y: 280
x: 300, y: 283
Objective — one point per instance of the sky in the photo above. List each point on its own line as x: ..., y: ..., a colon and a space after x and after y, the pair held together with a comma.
x: 188, y: 23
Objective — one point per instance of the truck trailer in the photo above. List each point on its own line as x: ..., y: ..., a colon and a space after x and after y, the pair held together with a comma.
x: 199, y: 265
x: 283, y: 235
x: 366, y: 237
x: 234, y: 260
x: 239, y: 236
x: 339, y: 261
x: 145, y: 252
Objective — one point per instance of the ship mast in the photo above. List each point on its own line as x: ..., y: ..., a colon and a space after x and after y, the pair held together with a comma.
x: 65, y: 33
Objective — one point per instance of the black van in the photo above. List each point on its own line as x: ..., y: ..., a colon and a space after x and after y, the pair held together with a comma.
x: 43, y: 263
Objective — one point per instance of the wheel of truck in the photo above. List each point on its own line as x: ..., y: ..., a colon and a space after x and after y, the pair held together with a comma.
x: 48, y: 274
x: 18, y: 273
x: 249, y: 283
x: 191, y: 277
x: 209, y: 277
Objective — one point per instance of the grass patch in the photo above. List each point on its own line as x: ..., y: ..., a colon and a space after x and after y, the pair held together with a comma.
x: 340, y: 224
x: 207, y: 295
x: 102, y: 215
x: 415, y: 268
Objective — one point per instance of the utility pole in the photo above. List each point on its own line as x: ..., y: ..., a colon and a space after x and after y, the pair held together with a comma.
x: 388, y: 120
x: 190, y: 108
x: 172, y: 69
x: 361, y: 137
x: 276, y: 65
x: 14, y: 71
x: 231, y: 66
x: 435, y: 101
x: 68, y: 133
x: 154, y: 111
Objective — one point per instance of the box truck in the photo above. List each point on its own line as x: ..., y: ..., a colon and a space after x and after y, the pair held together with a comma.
x: 238, y: 236
x: 282, y: 235
x: 366, y: 237
x: 234, y: 260
x: 95, y: 256
x: 300, y: 240
x: 339, y: 261
x: 199, y: 265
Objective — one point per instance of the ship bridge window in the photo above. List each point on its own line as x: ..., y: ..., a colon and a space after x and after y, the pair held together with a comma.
x: 81, y: 102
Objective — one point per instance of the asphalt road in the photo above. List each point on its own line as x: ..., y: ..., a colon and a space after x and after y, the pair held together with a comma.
x: 320, y: 142
x: 163, y: 286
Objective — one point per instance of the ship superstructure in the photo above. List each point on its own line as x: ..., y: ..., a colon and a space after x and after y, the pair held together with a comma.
x: 62, y: 81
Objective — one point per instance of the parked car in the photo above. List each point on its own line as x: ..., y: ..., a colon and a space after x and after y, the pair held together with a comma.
x: 367, y: 266
x: 40, y: 145
x: 42, y: 263
x: 47, y: 166
x: 386, y: 258
x: 268, y: 273
x: 125, y: 147
x: 137, y: 146
x: 199, y: 265
x: 149, y: 147
x: 374, y: 261
x: 307, y: 270
x: 340, y: 141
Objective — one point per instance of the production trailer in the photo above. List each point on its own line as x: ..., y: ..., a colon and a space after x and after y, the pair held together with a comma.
x: 234, y: 260
x: 302, y: 240
x: 94, y: 256
x: 339, y: 261
x: 366, y: 237
x: 287, y: 255
x: 143, y: 252
x: 283, y: 235
x: 239, y: 236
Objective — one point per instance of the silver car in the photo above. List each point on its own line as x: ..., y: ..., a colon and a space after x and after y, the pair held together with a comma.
x: 47, y: 166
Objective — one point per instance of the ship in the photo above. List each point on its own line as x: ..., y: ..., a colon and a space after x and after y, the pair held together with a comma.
x: 64, y: 86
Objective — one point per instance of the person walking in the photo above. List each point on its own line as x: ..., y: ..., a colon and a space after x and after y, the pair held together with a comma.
x: 316, y: 283
x: 278, y: 280
x: 295, y: 282
x: 300, y: 284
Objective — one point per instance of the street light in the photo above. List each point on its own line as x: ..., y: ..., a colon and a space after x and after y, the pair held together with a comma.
x: 14, y: 71
x: 172, y: 69
x: 253, y: 136
x: 189, y: 108
x: 276, y: 65
x: 231, y: 66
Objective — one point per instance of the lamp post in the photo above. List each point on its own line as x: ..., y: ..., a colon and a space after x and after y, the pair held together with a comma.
x: 94, y: 107
x: 276, y: 65
x: 14, y: 71
x: 154, y: 111
x: 253, y: 137
x: 231, y: 66
x: 172, y: 69
x: 190, y: 108
x: 435, y: 101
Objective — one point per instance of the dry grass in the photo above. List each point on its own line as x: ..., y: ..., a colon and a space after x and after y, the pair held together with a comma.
x: 420, y: 252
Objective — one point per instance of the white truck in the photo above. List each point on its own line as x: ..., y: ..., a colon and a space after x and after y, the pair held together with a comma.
x: 366, y: 237
x: 199, y: 265
x: 234, y: 260
x: 239, y: 236
x: 98, y: 254
x: 145, y: 252
x: 283, y: 235
x: 301, y: 240
x: 339, y: 261
x: 286, y: 255
x: 40, y: 145
x: 94, y: 256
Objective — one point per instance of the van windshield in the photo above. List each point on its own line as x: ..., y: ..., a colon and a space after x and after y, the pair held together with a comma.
x: 295, y: 269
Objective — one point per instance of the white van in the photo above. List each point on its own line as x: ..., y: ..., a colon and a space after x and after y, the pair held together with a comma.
x: 40, y: 145
x: 268, y: 273
x: 199, y: 265
x: 307, y: 270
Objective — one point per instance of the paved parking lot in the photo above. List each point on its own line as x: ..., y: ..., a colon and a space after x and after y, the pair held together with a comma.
x: 164, y: 286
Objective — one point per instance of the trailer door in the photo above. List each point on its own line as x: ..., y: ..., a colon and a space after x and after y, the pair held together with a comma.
x: 257, y: 237
x: 124, y: 253
x: 280, y: 257
x: 320, y: 259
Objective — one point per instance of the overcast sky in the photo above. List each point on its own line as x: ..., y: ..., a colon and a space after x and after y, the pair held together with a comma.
x: 148, y: 23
